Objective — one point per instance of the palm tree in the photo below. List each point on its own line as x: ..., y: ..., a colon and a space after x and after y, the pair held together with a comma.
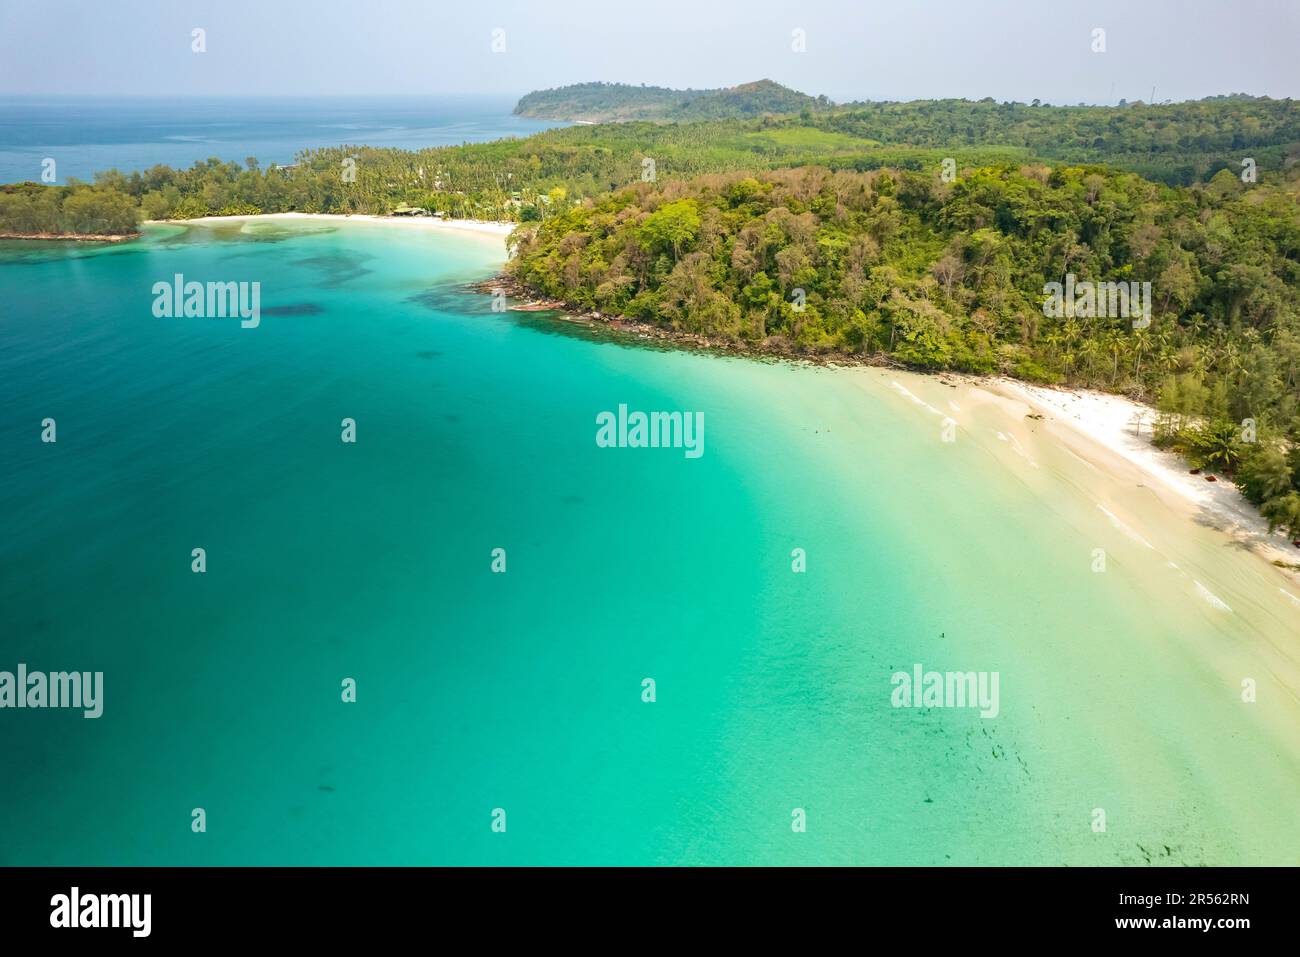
x: 1141, y: 342
x: 1202, y: 358
x: 1089, y: 351
x: 1216, y: 446
x: 1164, y: 338
x: 1115, y: 342
x: 1231, y: 358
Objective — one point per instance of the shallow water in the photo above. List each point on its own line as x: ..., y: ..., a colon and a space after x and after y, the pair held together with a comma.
x: 1119, y: 689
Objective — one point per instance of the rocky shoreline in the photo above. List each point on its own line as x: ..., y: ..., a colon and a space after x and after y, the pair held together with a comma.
x: 75, y: 237
x: 526, y: 300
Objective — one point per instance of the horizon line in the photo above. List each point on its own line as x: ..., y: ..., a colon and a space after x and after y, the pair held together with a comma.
x: 502, y: 95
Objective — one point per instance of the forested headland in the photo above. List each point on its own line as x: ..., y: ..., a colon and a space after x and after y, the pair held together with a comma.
x: 937, y: 275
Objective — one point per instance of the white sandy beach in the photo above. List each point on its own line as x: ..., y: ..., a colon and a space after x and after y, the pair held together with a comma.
x: 474, y: 226
x: 1124, y: 427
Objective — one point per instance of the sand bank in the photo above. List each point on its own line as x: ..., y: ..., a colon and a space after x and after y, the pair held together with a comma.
x: 479, y: 226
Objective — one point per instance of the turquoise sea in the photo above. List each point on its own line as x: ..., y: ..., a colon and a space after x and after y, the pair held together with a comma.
x: 522, y: 690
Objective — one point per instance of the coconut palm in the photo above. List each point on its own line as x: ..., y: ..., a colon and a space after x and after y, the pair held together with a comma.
x: 1115, y: 345
x: 1217, y: 446
x: 1141, y: 343
x: 1089, y: 352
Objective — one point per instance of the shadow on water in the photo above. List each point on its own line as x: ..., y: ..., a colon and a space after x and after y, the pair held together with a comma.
x: 263, y: 232
x: 235, y: 235
x: 451, y: 298
x: 294, y: 309
x: 336, y: 268
x: 463, y: 298
x: 31, y: 252
x: 552, y: 322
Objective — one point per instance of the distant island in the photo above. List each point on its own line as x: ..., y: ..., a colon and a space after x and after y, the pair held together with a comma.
x: 620, y: 102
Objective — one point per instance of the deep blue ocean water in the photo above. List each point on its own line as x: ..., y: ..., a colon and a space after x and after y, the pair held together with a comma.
x: 85, y: 135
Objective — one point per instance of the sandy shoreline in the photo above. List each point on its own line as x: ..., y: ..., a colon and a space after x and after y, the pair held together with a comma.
x: 1120, y: 426
x: 1124, y: 428
x: 481, y: 227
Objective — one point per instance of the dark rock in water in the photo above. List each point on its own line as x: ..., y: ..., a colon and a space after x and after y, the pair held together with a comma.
x: 428, y: 354
x: 337, y: 268
x: 323, y: 787
x: 1210, y: 478
x: 1194, y: 471
x: 297, y: 309
x: 442, y: 299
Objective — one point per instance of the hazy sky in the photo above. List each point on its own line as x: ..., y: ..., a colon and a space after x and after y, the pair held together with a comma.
x: 856, y: 49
